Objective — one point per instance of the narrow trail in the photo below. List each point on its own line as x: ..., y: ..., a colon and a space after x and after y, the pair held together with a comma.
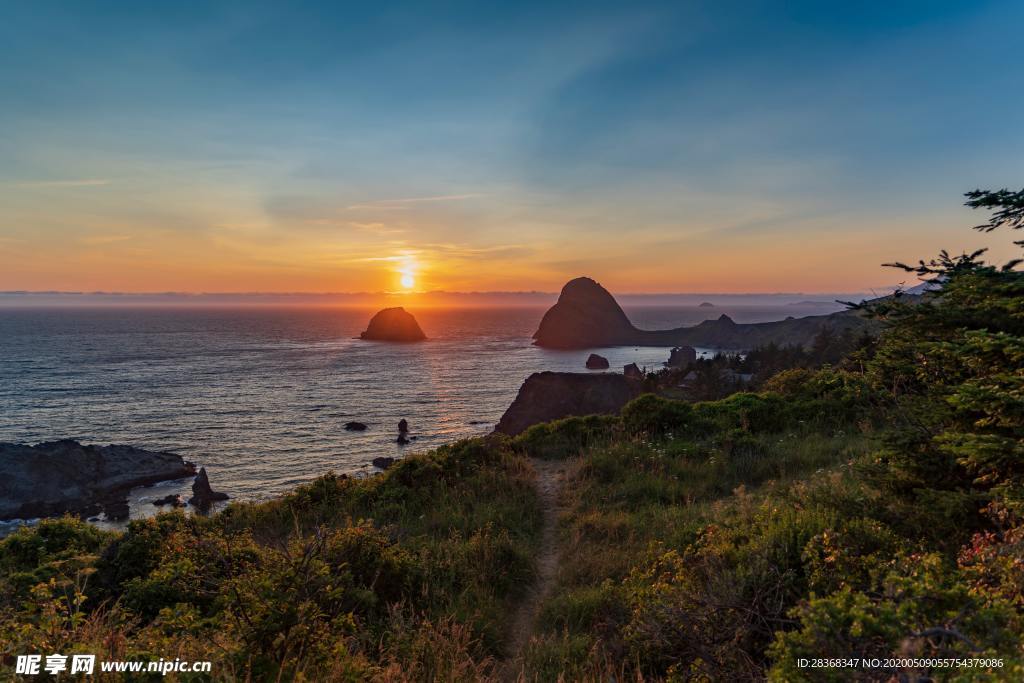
x: 550, y: 475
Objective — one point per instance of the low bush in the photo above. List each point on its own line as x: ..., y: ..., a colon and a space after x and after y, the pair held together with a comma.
x: 568, y: 437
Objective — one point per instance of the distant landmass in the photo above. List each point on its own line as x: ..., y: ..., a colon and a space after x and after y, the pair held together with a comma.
x: 376, y: 300
x: 586, y: 315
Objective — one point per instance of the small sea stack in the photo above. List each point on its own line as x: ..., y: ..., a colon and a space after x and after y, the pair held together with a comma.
x: 203, y: 496
x: 682, y: 356
x: 393, y: 324
x: 631, y: 371
x: 597, y: 362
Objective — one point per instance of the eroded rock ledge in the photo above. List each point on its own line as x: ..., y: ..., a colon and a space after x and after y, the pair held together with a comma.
x: 56, y: 477
x: 547, y: 396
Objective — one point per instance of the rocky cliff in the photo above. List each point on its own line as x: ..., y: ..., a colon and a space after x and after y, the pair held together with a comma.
x: 547, y: 396
x: 586, y: 315
x: 65, y: 476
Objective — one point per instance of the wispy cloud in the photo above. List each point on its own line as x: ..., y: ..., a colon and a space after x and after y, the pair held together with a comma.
x: 84, y: 182
x: 100, y: 240
x: 451, y: 253
x: 375, y: 227
x: 405, y: 201
x: 498, y: 252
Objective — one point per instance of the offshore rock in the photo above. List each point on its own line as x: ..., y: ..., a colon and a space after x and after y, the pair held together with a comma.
x: 631, y: 371
x: 172, y: 499
x: 393, y: 324
x: 383, y: 462
x: 597, y: 362
x: 681, y: 357
x: 202, y: 494
x: 585, y: 315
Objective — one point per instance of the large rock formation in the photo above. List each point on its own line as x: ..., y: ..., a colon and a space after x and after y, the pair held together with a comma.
x: 393, y: 324
x: 587, y: 316
x: 64, y: 476
x: 547, y: 396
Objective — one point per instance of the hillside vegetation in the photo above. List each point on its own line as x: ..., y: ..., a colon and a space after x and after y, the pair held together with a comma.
x: 872, y: 508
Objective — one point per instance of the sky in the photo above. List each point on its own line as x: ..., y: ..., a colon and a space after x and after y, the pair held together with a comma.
x: 468, y: 146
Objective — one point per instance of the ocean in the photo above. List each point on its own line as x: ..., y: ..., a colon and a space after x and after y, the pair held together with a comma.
x: 259, y: 395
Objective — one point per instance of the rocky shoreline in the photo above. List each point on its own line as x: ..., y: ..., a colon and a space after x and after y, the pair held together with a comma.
x: 58, y: 477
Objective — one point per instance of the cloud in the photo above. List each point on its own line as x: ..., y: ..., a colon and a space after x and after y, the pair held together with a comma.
x: 498, y: 252
x: 99, y: 240
x: 373, y: 227
x: 400, y: 203
x: 85, y: 182
x: 449, y: 253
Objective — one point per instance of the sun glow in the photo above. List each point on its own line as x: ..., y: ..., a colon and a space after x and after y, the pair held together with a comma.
x: 407, y: 281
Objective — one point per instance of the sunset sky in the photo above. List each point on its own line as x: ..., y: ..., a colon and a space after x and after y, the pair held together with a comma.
x: 658, y: 147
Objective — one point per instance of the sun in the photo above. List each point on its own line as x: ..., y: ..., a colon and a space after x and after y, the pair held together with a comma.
x: 408, y: 281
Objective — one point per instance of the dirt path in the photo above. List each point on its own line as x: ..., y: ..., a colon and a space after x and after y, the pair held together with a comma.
x: 550, y: 475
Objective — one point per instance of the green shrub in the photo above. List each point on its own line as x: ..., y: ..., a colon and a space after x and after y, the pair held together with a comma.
x: 849, y: 556
x: 54, y: 549
x: 920, y: 608
x: 712, y: 609
x: 748, y: 412
x: 656, y: 416
x: 568, y: 437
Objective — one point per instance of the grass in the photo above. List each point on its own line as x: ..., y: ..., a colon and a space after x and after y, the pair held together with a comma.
x: 409, y: 575
x: 638, y: 496
x: 696, y: 542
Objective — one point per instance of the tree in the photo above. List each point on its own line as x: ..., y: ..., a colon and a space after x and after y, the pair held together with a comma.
x: 953, y: 363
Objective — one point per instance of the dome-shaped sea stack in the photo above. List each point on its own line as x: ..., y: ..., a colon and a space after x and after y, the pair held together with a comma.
x: 393, y: 324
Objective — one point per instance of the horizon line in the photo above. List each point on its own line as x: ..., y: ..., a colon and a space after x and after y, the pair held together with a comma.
x: 44, y: 292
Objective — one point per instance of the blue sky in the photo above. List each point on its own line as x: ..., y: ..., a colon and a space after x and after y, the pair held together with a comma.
x: 300, y: 146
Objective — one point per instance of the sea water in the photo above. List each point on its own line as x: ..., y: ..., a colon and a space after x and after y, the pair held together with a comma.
x: 260, y: 395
